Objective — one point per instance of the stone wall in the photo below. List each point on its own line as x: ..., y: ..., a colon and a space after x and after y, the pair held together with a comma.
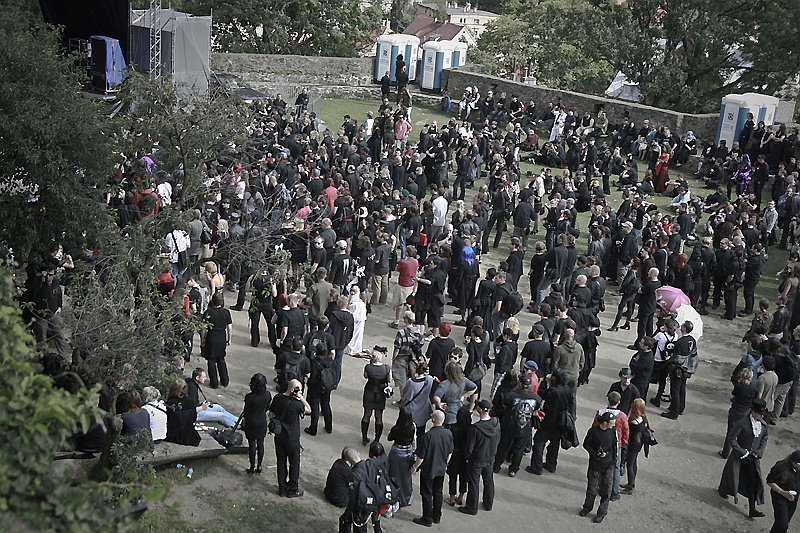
x: 704, y: 126
x: 274, y: 73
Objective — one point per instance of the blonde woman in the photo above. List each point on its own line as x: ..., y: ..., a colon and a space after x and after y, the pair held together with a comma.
x: 216, y: 281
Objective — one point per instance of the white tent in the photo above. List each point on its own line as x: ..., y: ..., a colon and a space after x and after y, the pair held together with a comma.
x: 622, y: 89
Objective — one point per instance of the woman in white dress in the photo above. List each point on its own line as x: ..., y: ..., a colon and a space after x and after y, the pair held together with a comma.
x: 358, y: 309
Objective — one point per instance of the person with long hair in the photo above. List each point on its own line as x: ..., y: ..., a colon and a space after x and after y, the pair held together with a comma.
x: 682, y: 274
x: 378, y: 376
x: 629, y: 289
x: 417, y: 395
x: 784, y: 483
x: 256, y: 405
x: 401, y: 456
x: 214, y: 340
x: 457, y: 467
x: 182, y: 414
x: 742, y: 397
x: 637, y: 423
x: 454, y: 392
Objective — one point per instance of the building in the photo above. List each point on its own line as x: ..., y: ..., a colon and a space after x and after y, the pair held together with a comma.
x: 472, y: 18
x: 430, y: 29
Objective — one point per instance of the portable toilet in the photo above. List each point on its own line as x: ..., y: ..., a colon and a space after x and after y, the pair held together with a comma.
x: 459, y: 53
x: 766, y: 107
x: 389, y: 47
x: 436, y: 56
x: 383, y: 60
x: 732, y: 116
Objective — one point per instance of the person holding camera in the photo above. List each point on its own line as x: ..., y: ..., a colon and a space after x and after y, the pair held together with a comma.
x: 285, y: 413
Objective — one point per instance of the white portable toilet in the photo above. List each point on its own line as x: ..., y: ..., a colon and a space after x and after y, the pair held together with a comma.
x: 383, y: 59
x: 389, y: 47
x: 732, y: 116
x: 459, y: 53
x: 436, y: 56
x: 764, y: 107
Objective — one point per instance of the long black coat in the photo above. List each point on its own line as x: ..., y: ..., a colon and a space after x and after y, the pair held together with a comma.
x: 741, y: 440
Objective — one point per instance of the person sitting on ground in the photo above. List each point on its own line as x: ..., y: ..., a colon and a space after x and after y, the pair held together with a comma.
x: 158, y: 413
x: 337, y: 485
x: 182, y: 412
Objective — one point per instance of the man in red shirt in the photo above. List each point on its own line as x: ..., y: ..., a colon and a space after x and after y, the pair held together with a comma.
x: 405, y: 285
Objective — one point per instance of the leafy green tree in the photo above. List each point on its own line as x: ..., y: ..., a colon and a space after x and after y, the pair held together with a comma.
x: 338, y: 28
x: 53, y: 147
x: 566, y: 44
x: 688, y: 54
x: 35, y: 421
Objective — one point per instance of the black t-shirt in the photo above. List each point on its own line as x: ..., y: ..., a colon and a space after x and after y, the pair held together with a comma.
x: 414, y: 225
x: 382, y: 255
x: 319, y: 256
x: 538, y: 351
x: 294, y: 321
x: 435, y: 447
x: 288, y: 410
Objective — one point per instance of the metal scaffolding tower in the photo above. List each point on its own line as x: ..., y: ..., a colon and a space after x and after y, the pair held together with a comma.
x: 155, y: 39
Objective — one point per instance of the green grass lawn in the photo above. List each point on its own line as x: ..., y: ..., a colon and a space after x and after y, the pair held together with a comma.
x: 334, y: 109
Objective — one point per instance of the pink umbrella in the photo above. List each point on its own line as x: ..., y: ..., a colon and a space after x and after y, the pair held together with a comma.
x: 672, y: 297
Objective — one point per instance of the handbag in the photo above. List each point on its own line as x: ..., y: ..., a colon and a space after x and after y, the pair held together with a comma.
x: 477, y: 372
x: 228, y: 438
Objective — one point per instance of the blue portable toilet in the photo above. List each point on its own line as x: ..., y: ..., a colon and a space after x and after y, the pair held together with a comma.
x: 436, y: 56
x: 459, y: 53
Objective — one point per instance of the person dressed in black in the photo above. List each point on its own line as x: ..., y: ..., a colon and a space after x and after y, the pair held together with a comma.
x: 516, y: 424
x: 337, y: 484
x: 784, y: 483
x: 353, y: 519
x: 256, y: 404
x: 287, y: 409
x: 292, y: 364
x: 742, y: 472
x: 680, y: 369
x: 647, y: 306
x: 479, y: 451
x: 433, y: 452
x: 181, y: 415
x: 601, y: 443
x: 215, y: 339
x: 319, y: 395
x: 557, y: 400
x: 642, y: 364
x: 263, y: 290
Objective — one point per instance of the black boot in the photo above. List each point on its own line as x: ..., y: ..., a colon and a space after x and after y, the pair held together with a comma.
x: 378, y: 432
x: 364, y: 429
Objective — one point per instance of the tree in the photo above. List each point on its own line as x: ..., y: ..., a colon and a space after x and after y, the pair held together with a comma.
x: 35, y: 421
x: 53, y: 148
x: 568, y: 44
x: 709, y: 49
x: 338, y: 28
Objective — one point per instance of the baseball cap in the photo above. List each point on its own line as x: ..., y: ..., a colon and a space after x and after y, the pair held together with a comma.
x: 342, y: 244
x: 483, y: 405
x: 626, y: 373
x: 538, y: 328
x: 608, y: 416
x: 531, y: 365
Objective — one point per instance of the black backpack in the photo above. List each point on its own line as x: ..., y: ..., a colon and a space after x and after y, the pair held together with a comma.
x: 327, y: 376
x: 512, y: 304
x: 291, y: 370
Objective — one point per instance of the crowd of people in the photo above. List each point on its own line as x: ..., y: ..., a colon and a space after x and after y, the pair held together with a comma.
x: 313, y: 226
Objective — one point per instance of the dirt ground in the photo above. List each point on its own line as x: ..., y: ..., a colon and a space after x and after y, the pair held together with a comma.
x: 676, y: 485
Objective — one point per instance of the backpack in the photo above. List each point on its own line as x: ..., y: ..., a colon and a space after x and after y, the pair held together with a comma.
x: 478, y: 371
x: 522, y: 412
x: 327, y: 378
x: 291, y: 370
x: 669, y: 349
x: 512, y: 304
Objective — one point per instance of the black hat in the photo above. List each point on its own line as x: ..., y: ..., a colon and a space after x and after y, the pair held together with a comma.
x: 608, y: 416
x: 625, y: 373
x: 759, y: 406
x: 483, y: 405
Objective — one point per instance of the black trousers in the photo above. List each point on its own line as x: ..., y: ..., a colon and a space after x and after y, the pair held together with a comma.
x: 320, y: 401
x: 677, y: 392
x: 430, y: 489
x: 540, y: 439
x: 719, y: 288
x: 645, y: 326
x: 515, y: 446
x: 288, y: 454
x: 599, y: 482
x: 499, y: 218
x: 731, y: 295
x: 783, y: 510
x: 749, y: 294
x: 476, y: 473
